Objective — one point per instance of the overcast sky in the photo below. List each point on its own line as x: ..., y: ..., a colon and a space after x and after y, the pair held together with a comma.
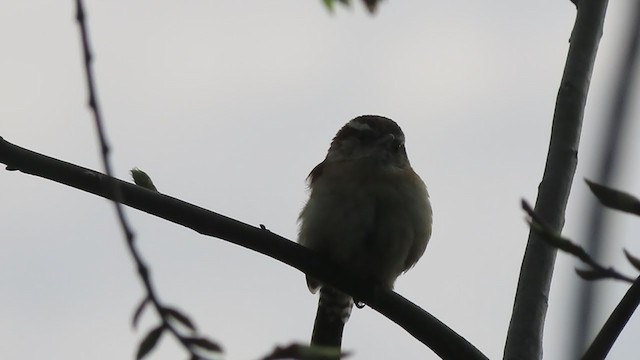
x: 229, y: 105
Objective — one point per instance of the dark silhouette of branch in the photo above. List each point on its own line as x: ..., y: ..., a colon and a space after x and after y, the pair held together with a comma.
x: 597, y: 272
x: 618, y: 319
x: 166, y: 314
x: 524, y: 338
x: 420, y: 324
x: 608, y: 164
x: 613, y: 327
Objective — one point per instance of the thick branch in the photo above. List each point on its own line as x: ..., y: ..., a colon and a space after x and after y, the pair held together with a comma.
x: 524, y: 338
x: 423, y: 326
x: 617, y: 124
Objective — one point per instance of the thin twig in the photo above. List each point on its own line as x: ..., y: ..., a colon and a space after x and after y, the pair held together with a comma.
x: 143, y: 270
x: 566, y: 245
x: 607, y: 336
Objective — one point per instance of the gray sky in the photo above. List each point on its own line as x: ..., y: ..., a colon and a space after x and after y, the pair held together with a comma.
x: 229, y: 105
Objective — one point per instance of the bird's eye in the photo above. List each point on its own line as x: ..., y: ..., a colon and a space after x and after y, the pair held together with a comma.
x: 393, y: 142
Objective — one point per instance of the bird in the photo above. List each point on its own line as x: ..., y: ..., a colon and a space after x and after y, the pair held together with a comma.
x: 367, y: 210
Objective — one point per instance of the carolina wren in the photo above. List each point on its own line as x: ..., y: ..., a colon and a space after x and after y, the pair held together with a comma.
x: 368, y: 210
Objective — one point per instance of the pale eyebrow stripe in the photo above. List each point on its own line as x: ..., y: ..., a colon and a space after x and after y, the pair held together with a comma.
x: 358, y: 125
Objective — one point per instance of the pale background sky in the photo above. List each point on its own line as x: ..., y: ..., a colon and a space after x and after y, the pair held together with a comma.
x: 229, y: 105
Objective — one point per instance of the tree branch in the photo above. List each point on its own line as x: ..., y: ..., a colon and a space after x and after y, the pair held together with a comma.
x: 611, y: 156
x: 524, y: 338
x: 165, y: 313
x: 597, y: 270
x: 613, y: 327
x: 424, y: 327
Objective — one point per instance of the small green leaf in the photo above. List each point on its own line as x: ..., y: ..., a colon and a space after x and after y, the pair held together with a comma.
x: 329, y: 4
x: 149, y: 341
x: 591, y: 275
x: 179, y: 317
x: 204, y: 343
x: 615, y: 199
x: 142, y: 179
x: 136, y: 315
x: 322, y: 353
x: 305, y: 352
x: 632, y: 259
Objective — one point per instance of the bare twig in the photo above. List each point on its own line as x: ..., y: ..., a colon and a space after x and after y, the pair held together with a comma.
x: 423, y: 326
x: 603, y: 342
x: 164, y: 313
x: 566, y: 245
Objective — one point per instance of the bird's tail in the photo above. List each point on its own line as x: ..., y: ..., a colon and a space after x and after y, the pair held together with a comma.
x: 334, y: 309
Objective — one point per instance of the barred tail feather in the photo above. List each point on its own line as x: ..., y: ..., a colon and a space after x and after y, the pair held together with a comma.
x: 334, y: 309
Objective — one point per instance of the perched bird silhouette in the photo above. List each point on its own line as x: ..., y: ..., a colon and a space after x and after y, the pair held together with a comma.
x: 367, y: 210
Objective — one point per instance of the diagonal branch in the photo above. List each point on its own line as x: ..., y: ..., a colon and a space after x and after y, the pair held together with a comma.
x: 524, y: 338
x: 546, y: 234
x: 423, y: 326
x: 607, y: 336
